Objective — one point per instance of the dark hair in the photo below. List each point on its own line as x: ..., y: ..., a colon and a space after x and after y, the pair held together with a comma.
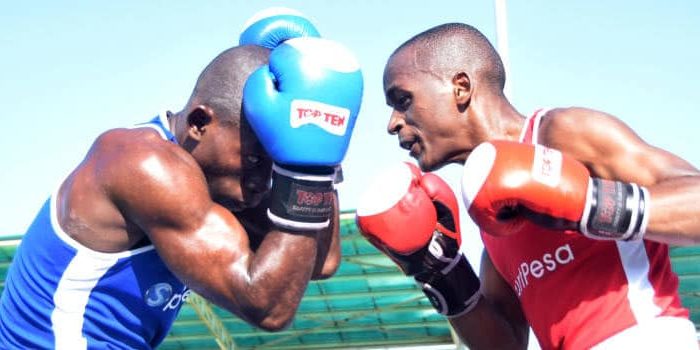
x: 460, y: 46
x: 220, y: 85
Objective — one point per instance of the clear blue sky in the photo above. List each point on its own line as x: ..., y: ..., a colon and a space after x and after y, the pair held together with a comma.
x: 70, y: 69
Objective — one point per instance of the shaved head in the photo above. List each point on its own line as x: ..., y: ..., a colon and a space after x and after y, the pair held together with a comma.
x: 220, y: 85
x: 449, y: 48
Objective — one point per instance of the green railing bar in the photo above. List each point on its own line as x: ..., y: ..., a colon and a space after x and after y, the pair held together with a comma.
x: 361, y: 276
x: 375, y: 294
x: 319, y: 314
x: 337, y: 323
x: 436, y: 340
x: 433, y: 340
x: 294, y: 333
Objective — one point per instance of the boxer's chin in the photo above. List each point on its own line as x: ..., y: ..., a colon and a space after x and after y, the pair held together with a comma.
x: 425, y: 163
x: 418, y: 153
x: 430, y: 162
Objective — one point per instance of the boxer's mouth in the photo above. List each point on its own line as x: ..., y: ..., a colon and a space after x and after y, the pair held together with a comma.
x: 415, y: 150
x: 408, y: 144
x: 411, y: 145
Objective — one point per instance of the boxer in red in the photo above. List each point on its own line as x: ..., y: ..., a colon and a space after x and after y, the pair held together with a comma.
x: 576, y: 211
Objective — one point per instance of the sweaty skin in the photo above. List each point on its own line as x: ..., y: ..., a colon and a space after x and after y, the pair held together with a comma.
x: 133, y: 187
x: 442, y: 108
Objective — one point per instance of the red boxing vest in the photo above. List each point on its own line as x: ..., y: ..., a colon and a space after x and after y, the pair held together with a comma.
x: 577, y: 292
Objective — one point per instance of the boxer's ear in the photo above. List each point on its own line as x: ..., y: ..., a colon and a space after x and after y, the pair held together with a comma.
x: 462, y: 88
x: 197, y: 120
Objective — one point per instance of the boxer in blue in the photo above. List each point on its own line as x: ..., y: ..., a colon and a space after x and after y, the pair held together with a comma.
x: 226, y: 198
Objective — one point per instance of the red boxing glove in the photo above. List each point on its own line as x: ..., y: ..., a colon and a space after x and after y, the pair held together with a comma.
x: 399, y: 209
x: 507, y: 186
x: 414, y: 219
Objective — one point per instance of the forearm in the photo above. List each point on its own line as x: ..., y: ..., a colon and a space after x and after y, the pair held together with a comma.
x: 675, y: 211
x: 284, y: 263
x: 277, y: 278
x: 486, y: 328
x: 328, y: 252
x: 328, y: 255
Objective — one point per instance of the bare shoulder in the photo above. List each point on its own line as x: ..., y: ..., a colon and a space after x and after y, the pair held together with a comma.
x: 564, y: 128
x: 589, y: 135
x: 607, y: 146
x: 139, y: 143
x: 125, y: 177
x: 142, y: 173
x: 141, y: 154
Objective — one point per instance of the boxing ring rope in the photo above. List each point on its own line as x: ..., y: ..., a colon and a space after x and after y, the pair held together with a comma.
x: 216, y: 327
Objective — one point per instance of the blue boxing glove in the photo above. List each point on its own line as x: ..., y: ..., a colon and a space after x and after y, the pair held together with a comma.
x: 271, y: 27
x: 303, y: 106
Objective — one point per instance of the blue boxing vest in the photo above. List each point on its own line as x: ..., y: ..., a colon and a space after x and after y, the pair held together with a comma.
x: 60, y: 294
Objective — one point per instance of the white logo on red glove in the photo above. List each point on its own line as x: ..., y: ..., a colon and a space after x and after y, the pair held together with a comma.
x: 546, y: 168
x: 436, y: 250
x: 331, y: 118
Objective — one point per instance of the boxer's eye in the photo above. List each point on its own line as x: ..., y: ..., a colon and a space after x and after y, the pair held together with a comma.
x: 403, y: 102
x: 399, y: 99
